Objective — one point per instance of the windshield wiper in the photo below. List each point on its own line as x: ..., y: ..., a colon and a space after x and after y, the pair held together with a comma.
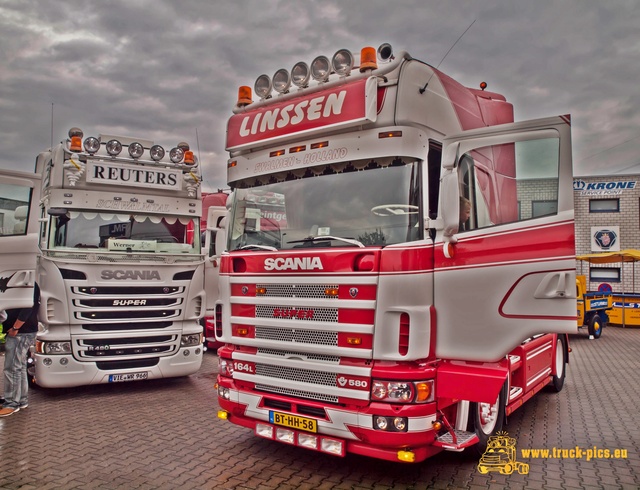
x: 260, y: 247
x: 320, y: 238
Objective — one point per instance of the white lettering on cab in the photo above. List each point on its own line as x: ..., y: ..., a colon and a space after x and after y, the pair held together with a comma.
x: 305, y: 110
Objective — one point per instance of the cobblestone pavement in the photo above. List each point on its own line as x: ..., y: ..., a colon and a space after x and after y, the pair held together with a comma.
x: 164, y: 434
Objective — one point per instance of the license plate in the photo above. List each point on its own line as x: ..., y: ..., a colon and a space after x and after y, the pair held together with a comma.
x: 293, y: 421
x: 117, y: 378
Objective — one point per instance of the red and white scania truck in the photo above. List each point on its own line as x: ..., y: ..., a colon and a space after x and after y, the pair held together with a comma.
x: 108, y: 228
x: 359, y: 314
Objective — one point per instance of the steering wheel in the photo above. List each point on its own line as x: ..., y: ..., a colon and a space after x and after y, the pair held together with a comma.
x: 394, y: 209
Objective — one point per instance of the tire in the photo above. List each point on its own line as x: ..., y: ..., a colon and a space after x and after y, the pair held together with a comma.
x: 31, y: 371
x: 595, y: 326
x: 557, y: 381
x: 486, y: 419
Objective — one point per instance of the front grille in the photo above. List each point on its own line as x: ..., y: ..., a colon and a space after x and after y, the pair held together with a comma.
x: 121, y: 257
x: 137, y: 292
x: 303, y: 313
x: 122, y: 347
x: 297, y: 336
x: 120, y: 303
x: 110, y: 327
x: 300, y: 355
x: 297, y: 393
x: 123, y: 315
x: 316, y: 291
x: 296, y: 374
x: 118, y: 365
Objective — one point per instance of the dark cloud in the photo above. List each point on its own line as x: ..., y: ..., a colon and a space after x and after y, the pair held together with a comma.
x: 169, y: 70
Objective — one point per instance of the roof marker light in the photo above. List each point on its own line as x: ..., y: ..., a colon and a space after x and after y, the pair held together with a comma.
x: 320, y: 69
x: 300, y: 74
x: 263, y: 86
x: 368, y: 59
x: 342, y: 62
x: 281, y: 81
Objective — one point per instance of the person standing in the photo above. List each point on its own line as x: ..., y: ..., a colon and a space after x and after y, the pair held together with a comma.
x: 21, y: 327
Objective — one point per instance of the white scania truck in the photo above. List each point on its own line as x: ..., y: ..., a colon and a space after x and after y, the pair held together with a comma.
x: 109, y: 229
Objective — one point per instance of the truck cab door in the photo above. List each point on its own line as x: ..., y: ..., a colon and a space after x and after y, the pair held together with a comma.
x: 504, y: 269
x: 215, y: 241
x: 19, y: 230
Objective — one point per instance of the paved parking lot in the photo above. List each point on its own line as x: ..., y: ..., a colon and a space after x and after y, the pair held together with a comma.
x: 164, y: 434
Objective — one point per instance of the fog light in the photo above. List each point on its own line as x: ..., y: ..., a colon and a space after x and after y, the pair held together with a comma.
x: 264, y: 430
x: 47, y: 361
x: 64, y: 361
x: 186, y: 352
x: 223, y: 414
x: 197, y: 352
x: 380, y: 422
x: 308, y: 441
x: 331, y: 446
x: 400, y: 423
x: 223, y: 393
x: 407, y: 456
x: 285, y: 435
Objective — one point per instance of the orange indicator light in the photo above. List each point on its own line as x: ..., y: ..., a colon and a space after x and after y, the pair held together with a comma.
x: 354, y: 340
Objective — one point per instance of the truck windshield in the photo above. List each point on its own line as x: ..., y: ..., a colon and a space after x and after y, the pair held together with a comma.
x: 360, y: 203
x: 123, y: 232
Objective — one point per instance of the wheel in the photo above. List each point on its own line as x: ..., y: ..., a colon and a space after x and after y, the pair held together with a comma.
x: 31, y: 371
x: 561, y: 365
x: 486, y: 419
x: 595, y: 326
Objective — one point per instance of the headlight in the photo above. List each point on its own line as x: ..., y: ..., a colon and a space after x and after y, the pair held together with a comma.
x: 225, y: 367
x: 55, y: 348
x: 402, y: 391
x: 191, y: 339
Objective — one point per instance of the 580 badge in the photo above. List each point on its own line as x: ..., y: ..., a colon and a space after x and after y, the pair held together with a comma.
x: 244, y: 367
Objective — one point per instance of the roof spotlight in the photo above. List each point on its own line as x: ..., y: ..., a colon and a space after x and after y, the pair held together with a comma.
x: 385, y: 52
x: 262, y: 87
x: 136, y: 150
x: 342, y: 62
x: 157, y: 153
x: 300, y: 74
x: 91, y: 145
x: 281, y: 81
x: 320, y: 69
x: 114, y: 147
x: 176, y: 154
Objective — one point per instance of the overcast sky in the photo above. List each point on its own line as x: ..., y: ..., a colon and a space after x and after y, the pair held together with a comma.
x: 168, y: 70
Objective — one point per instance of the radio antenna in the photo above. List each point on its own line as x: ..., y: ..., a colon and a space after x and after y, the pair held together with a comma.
x: 422, y: 90
x: 52, y: 125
